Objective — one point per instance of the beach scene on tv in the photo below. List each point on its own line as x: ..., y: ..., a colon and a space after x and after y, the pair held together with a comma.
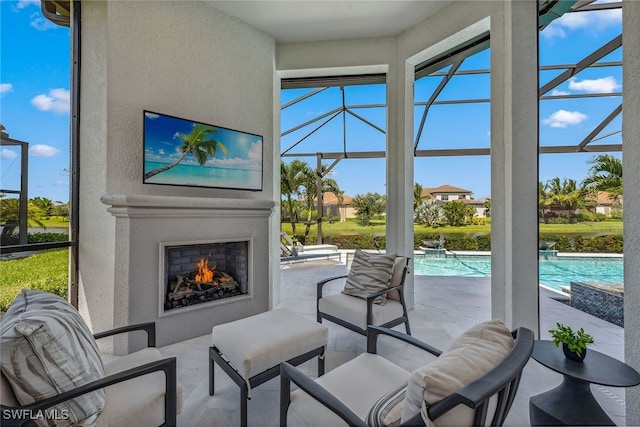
x: 183, y: 152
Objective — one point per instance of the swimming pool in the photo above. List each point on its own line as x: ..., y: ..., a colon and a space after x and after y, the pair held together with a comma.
x: 554, y: 271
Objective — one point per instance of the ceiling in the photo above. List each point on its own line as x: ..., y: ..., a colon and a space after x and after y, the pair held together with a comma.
x: 290, y: 21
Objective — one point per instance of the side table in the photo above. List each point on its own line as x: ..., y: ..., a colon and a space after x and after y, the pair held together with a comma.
x: 571, y: 403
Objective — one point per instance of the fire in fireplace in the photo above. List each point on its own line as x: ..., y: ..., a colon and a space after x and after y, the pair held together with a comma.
x: 204, y: 272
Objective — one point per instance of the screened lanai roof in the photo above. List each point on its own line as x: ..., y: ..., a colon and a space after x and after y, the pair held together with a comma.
x: 445, y: 68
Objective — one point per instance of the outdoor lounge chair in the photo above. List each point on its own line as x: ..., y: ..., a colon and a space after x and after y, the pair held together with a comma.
x: 289, y: 251
x: 474, y: 382
x: 51, y: 369
x: 356, y: 312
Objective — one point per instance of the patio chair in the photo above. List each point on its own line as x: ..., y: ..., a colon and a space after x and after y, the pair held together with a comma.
x: 377, y: 298
x: 52, y: 369
x: 474, y: 382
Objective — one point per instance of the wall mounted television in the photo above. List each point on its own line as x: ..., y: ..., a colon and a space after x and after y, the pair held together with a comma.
x: 187, y: 153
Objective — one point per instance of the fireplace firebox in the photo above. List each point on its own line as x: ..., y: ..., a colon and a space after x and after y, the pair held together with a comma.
x: 203, y: 272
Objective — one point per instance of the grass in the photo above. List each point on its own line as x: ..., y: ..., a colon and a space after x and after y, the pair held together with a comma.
x: 45, y: 271
x: 54, y: 222
x: 378, y: 226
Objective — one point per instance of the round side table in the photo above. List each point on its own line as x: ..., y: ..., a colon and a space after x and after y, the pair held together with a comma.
x: 571, y: 403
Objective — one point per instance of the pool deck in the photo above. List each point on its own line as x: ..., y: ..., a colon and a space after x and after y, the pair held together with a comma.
x: 444, y: 308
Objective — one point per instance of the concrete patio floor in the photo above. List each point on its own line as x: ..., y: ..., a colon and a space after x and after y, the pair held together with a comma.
x: 444, y: 308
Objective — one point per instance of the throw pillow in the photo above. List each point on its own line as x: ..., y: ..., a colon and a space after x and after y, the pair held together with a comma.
x: 369, y: 273
x: 471, y: 355
x: 46, y: 349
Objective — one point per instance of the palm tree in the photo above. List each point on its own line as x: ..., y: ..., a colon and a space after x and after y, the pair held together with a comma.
x: 566, y: 194
x: 310, y: 194
x: 544, y: 200
x: 198, y: 144
x: 292, y: 177
x: 417, y: 196
x: 605, y: 174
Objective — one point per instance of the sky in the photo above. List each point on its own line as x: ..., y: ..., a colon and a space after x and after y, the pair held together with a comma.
x: 35, y: 94
x: 34, y: 99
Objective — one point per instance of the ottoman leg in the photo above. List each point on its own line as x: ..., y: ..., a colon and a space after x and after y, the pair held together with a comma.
x: 244, y: 396
x: 212, y: 366
x: 321, y: 364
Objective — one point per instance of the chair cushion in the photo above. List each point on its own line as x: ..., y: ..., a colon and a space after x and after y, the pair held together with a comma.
x: 346, y: 383
x: 354, y: 310
x: 471, y: 355
x: 369, y: 273
x: 387, y: 411
x: 256, y: 343
x: 47, y: 349
x: 140, y: 401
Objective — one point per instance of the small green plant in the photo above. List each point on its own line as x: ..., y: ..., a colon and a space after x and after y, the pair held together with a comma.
x: 575, y: 341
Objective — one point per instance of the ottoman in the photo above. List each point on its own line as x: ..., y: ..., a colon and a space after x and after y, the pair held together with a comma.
x: 250, y: 350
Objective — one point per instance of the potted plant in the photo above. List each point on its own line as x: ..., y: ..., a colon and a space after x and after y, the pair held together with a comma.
x: 574, y: 344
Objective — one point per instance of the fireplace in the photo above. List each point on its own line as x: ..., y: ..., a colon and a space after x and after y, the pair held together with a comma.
x: 203, y: 272
x: 148, y: 225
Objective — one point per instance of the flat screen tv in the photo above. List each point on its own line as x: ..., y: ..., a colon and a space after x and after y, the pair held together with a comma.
x: 187, y: 153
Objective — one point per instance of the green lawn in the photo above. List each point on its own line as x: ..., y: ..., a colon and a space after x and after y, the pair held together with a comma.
x: 378, y: 226
x: 45, y: 271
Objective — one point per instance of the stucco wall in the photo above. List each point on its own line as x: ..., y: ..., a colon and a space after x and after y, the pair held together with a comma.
x: 630, y: 162
x: 185, y: 59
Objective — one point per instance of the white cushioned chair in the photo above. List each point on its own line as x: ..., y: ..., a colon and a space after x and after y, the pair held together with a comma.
x: 51, y: 367
x: 473, y: 382
x: 357, y: 312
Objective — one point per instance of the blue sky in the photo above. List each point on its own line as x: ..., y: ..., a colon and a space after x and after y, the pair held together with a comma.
x: 34, y: 98
x: 34, y: 107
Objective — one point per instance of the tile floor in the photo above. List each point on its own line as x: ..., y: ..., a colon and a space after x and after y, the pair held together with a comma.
x: 444, y: 308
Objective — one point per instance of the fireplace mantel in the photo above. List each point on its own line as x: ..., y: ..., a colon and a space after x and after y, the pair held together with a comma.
x: 145, y: 224
x: 176, y: 206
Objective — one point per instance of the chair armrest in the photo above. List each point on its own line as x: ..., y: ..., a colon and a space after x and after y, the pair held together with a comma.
x: 376, y: 294
x: 168, y: 366
x: 374, y: 331
x: 149, y: 328
x: 321, y: 284
x: 289, y: 373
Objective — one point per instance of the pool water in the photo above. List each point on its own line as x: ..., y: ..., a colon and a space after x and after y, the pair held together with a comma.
x: 554, y: 272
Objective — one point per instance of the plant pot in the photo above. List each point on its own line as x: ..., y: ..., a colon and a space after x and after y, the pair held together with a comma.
x: 573, y: 356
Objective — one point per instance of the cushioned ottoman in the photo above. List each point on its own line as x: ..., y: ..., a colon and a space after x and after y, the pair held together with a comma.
x: 250, y: 350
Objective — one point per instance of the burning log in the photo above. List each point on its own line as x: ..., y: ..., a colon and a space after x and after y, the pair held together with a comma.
x: 204, y: 285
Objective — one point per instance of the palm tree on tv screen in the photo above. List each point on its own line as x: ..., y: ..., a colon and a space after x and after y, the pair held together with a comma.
x: 197, y: 143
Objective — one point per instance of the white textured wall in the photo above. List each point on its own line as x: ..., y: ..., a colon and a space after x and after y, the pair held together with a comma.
x: 631, y: 160
x: 185, y: 59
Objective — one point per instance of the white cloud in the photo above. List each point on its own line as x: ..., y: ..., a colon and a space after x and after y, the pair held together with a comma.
x: 8, y: 154
x: 603, y: 85
x: 22, y: 4
x: 591, y: 21
x: 58, y: 100
x: 42, y: 150
x: 563, y: 118
x: 41, y: 23
x: 151, y: 116
x: 255, y: 152
x: 5, y: 87
x: 557, y: 92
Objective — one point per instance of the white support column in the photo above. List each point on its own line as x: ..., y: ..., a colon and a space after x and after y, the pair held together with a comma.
x: 630, y: 166
x: 514, y: 165
x: 400, y: 80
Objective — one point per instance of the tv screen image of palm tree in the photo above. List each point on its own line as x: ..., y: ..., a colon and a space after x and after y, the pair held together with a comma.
x: 183, y: 152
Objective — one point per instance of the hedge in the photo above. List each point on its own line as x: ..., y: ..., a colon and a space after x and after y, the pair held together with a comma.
x: 611, y: 243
